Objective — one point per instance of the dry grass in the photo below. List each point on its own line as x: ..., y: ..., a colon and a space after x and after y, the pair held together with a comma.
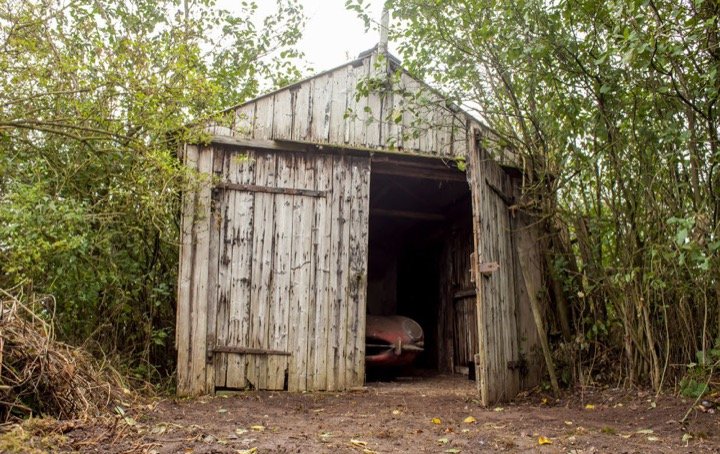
x: 40, y: 376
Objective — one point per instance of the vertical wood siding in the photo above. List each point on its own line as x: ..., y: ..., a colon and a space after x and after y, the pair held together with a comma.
x: 496, y: 292
x: 274, y: 272
x: 191, y: 340
x: 327, y: 109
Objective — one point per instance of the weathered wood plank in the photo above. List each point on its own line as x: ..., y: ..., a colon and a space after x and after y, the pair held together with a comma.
x: 391, y: 108
x: 244, y: 121
x: 373, y: 124
x: 460, y: 131
x: 271, y: 189
x: 242, y: 171
x: 227, y: 207
x: 411, y: 113
x: 262, y: 267
x: 278, y: 323
x: 318, y: 350
x: 198, y: 308
x: 337, y: 337
x: 303, y: 214
x: 357, y: 272
x: 284, y: 114
x: 477, y: 189
x: 442, y: 126
x: 182, y: 333
x: 321, y: 109
x: 355, y: 124
x: 263, y: 121
x: 248, y: 351
x: 303, y: 113
x: 340, y: 93
x: 496, y: 305
x: 215, y: 220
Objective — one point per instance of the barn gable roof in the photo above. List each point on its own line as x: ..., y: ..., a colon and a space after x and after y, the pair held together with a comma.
x: 357, y: 105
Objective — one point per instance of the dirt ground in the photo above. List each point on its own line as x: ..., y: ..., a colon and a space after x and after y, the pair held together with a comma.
x: 436, y: 414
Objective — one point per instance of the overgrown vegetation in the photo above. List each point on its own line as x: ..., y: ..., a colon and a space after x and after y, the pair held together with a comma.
x: 612, y: 107
x: 44, y: 377
x: 94, y: 96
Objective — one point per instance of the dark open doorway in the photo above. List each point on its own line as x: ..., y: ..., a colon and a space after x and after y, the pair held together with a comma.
x: 420, y: 241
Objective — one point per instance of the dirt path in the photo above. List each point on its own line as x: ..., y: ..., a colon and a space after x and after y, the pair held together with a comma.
x: 414, y: 415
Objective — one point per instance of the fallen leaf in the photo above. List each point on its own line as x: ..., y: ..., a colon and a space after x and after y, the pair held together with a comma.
x: 159, y: 429
x: 240, y: 431
x: 222, y: 410
x: 686, y: 438
x: 589, y: 407
x: 568, y: 423
x: 544, y: 440
x: 625, y: 435
x: 443, y: 441
x: 653, y: 404
x: 498, y: 409
x: 396, y: 412
x: 544, y: 401
x: 645, y: 431
x: 653, y: 439
x: 470, y: 420
x: 209, y: 439
x: 130, y: 421
x: 452, y: 450
x: 247, y: 451
x: 465, y: 431
x: 355, y: 442
x: 436, y: 421
x: 257, y: 428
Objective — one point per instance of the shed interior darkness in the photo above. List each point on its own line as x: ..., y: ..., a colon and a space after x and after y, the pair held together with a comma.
x: 415, y: 213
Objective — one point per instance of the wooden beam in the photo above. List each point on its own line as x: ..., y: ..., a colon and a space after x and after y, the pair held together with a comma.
x: 424, y: 173
x: 407, y: 214
x: 508, y: 200
x: 248, y: 351
x: 312, y: 147
x: 270, y: 189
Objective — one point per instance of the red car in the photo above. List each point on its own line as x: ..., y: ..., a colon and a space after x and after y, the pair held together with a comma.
x: 392, y: 340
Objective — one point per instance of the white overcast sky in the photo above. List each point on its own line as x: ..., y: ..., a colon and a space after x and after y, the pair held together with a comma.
x: 332, y: 35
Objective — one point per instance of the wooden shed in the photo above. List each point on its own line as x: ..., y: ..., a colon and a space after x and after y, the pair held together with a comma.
x: 357, y: 191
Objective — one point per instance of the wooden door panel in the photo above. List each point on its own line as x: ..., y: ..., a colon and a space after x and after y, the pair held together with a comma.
x: 292, y: 272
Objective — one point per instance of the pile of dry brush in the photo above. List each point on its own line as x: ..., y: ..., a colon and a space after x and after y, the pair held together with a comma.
x: 40, y: 376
